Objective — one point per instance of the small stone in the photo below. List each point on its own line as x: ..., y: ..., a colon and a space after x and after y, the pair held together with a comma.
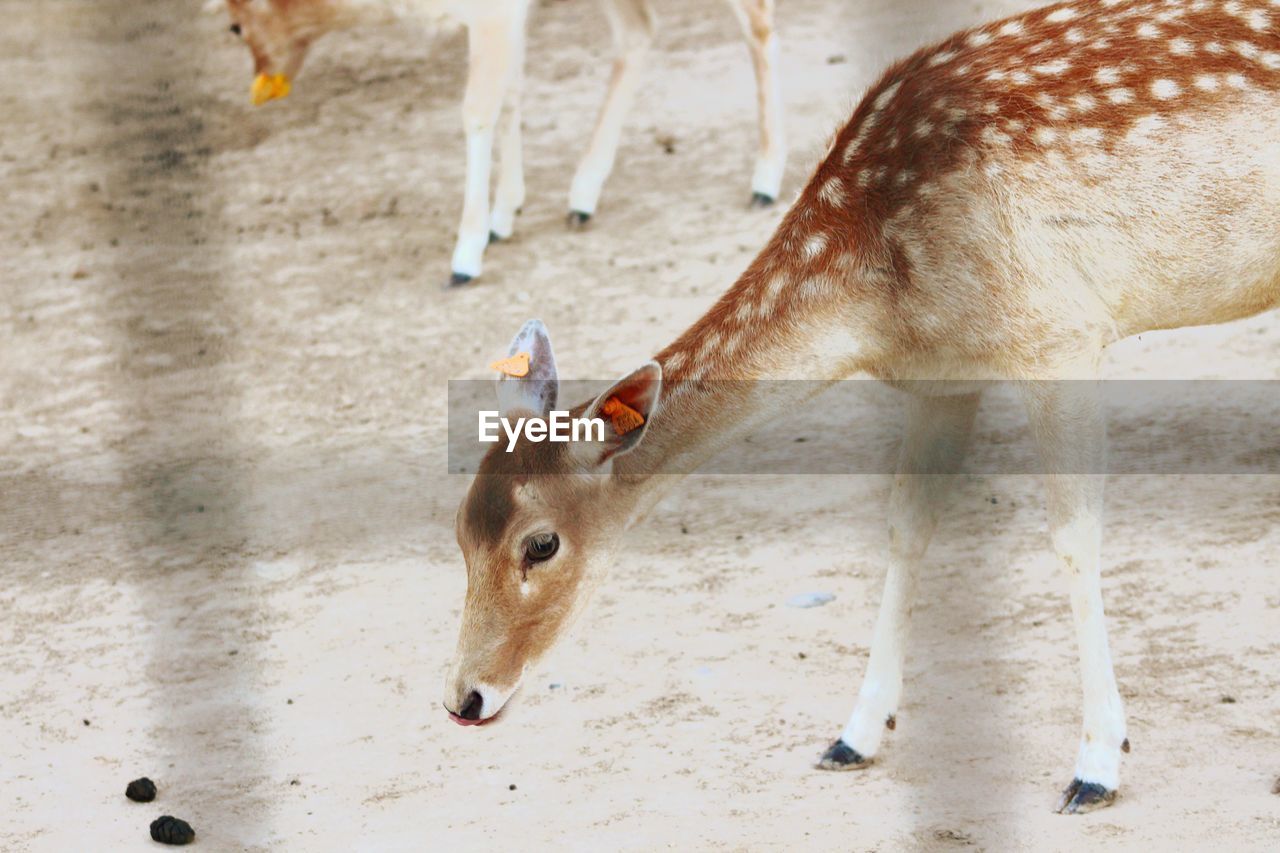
x: 169, y: 830
x: 1228, y: 700
x: 1275, y: 788
x: 86, y: 722
x: 810, y: 599
x: 141, y: 790
x: 511, y: 787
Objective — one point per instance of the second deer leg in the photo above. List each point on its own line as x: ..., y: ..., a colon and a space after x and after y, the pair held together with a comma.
x: 633, y: 23
x: 756, y: 19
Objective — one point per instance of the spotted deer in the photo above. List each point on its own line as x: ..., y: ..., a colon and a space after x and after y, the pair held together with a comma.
x: 1001, y: 205
x: 279, y: 34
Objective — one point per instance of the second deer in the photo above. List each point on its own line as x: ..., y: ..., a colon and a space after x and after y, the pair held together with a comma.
x: 279, y: 34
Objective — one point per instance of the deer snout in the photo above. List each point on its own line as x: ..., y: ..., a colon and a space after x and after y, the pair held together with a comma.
x: 473, y: 706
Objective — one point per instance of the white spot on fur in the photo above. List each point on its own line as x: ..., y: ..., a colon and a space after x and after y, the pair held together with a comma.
x: 903, y: 177
x: 1180, y: 47
x: 997, y: 75
x: 990, y: 107
x: 1052, y: 68
x: 1207, y: 83
x: 923, y: 128
x: 1074, y: 36
x: 1258, y: 20
x: 1107, y: 76
x: 679, y: 357
x: 942, y: 57
x: 978, y: 39
x: 1013, y: 28
x: 887, y: 95
x: 1120, y: 96
x: 1237, y: 81
x: 1248, y: 50
x: 1147, y: 31
x: 1084, y: 102
x: 814, y: 246
x: 1059, y: 15
x: 992, y: 136
x: 1045, y: 135
x: 1022, y: 78
x: 1165, y: 89
x: 1214, y: 47
x: 1271, y: 60
x: 832, y: 192
x: 743, y: 314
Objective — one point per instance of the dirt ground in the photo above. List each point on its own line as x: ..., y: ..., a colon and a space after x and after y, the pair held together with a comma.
x: 226, y: 522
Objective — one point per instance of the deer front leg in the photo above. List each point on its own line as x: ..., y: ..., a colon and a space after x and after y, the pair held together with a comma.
x: 936, y: 436
x: 756, y: 19
x: 509, y: 197
x: 632, y: 23
x: 491, y: 51
x: 1069, y: 428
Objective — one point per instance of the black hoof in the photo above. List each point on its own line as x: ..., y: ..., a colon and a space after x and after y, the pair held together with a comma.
x: 459, y: 278
x: 841, y: 756
x: 577, y: 220
x: 1081, y: 797
x: 494, y: 238
x: 759, y: 200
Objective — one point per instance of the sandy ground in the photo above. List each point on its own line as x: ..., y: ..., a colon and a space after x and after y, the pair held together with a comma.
x: 226, y: 525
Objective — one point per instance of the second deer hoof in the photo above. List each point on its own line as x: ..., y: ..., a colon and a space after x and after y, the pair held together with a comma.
x: 577, y: 220
x: 1081, y: 797
x: 458, y: 279
x: 759, y: 199
x: 841, y: 756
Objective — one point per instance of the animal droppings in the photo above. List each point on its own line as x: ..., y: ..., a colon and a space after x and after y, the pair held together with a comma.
x: 169, y: 830
x: 141, y: 790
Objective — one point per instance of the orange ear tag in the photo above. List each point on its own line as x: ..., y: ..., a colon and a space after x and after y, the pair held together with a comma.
x: 624, y: 418
x: 516, y: 366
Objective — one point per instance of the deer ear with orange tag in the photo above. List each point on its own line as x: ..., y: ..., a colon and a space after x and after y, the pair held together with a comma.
x: 627, y: 408
x: 528, y: 382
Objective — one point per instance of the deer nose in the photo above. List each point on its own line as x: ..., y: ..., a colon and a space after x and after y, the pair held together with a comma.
x: 471, y: 708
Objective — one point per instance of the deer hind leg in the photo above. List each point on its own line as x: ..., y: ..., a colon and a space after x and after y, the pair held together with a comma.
x: 934, y: 443
x: 509, y: 196
x: 756, y: 19
x: 633, y: 24
x: 494, y: 44
x: 1067, y: 422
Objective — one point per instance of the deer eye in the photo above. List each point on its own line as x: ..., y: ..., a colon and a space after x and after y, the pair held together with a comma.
x: 541, y: 547
x: 235, y: 28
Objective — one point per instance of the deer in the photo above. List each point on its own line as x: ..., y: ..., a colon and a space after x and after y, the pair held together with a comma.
x: 1001, y: 206
x: 280, y: 33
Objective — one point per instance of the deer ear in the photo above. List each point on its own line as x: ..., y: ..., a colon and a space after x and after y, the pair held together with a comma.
x: 626, y: 409
x: 536, y: 391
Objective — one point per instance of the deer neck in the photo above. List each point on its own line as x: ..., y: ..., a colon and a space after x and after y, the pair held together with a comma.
x: 792, y: 324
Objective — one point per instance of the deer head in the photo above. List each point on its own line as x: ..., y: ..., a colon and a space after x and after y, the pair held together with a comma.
x: 537, y: 530
x: 278, y: 34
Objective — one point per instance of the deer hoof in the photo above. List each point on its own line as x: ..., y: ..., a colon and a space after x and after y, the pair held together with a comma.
x: 1081, y: 797
x: 577, y: 220
x: 759, y: 200
x: 494, y: 237
x: 458, y: 279
x: 841, y: 756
